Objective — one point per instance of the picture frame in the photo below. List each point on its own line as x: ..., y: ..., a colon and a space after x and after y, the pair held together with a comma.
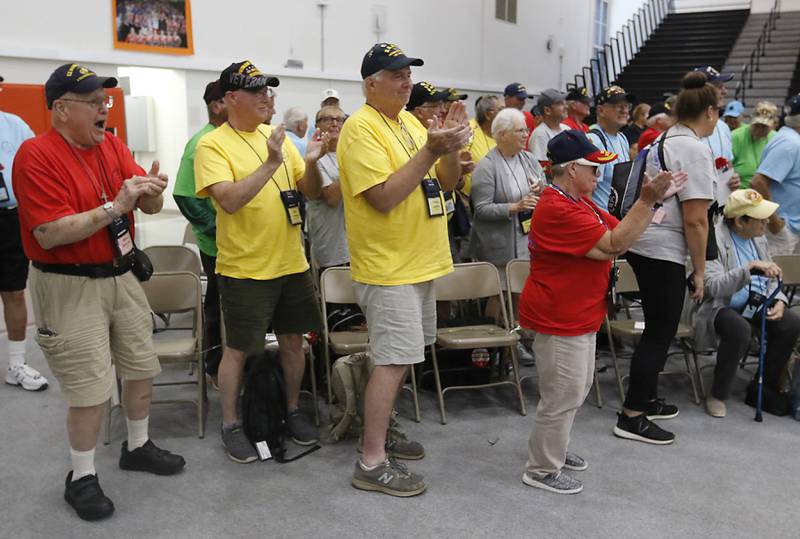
x: 159, y: 26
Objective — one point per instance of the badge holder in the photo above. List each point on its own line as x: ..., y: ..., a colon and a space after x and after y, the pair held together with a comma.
x: 524, y: 218
x: 433, y: 197
x: 291, y: 203
x: 121, y: 236
x: 449, y: 203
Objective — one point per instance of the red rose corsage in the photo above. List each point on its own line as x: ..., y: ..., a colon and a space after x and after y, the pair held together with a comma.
x: 721, y: 163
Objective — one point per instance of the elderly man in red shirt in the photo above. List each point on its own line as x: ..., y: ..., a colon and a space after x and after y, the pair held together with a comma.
x: 77, y: 186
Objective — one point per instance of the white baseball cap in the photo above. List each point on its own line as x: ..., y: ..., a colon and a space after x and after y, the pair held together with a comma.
x: 330, y: 92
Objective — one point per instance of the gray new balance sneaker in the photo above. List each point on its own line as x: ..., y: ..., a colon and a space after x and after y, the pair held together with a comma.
x: 575, y: 463
x: 301, y: 430
x: 237, y: 445
x: 389, y: 477
x: 559, y: 482
x: 399, y: 446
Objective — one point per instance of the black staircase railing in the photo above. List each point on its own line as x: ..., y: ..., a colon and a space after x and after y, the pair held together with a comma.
x: 750, y: 68
x: 614, y: 56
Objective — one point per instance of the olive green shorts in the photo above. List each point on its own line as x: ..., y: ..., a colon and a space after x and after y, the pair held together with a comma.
x: 250, y: 307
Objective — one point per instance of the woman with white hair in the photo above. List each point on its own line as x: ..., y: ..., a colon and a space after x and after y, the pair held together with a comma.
x: 505, y: 189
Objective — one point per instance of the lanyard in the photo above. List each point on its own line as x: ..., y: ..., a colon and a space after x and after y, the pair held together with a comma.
x: 285, y: 168
x: 99, y: 186
x: 579, y: 202
x: 403, y: 129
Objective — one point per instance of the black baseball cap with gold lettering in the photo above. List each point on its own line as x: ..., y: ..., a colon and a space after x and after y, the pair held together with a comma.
x: 244, y: 76
x: 613, y: 95
x: 453, y: 95
x: 74, y: 78
x: 425, y: 92
x: 386, y: 56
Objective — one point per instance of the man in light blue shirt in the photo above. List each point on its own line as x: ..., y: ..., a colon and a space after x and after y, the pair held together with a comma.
x: 13, y: 263
x: 613, y: 109
x: 296, y: 122
x: 778, y: 178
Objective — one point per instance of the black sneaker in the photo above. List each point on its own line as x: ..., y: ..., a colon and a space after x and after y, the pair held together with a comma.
x: 87, y: 498
x: 641, y: 429
x: 302, y: 431
x: 150, y: 458
x: 658, y: 409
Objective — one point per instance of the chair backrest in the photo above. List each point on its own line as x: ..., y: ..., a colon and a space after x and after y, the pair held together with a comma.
x: 170, y: 258
x: 175, y: 292
x: 517, y: 271
x: 188, y: 235
x: 336, y: 286
x: 790, y: 265
x: 626, y: 281
x: 470, y: 280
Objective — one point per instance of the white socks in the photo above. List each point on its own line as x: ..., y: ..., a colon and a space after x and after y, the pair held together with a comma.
x: 82, y: 463
x: 16, y: 353
x: 137, y: 432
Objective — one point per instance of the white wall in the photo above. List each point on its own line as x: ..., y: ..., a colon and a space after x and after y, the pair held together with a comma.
x: 462, y: 43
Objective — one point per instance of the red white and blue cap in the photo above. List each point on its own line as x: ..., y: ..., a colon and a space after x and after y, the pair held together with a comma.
x: 573, y: 145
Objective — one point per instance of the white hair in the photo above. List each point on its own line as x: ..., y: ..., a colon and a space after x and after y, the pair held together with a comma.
x: 375, y: 76
x: 293, y: 117
x: 506, y: 120
x: 652, y: 120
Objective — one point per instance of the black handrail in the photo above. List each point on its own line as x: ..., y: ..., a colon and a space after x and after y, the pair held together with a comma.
x: 623, y: 47
x: 749, y: 69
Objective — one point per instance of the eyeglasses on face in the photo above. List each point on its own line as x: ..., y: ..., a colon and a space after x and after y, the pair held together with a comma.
x: 97, y: 103
x: 331, y: 119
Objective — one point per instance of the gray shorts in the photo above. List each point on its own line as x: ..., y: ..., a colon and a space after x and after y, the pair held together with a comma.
x: 401, y: 321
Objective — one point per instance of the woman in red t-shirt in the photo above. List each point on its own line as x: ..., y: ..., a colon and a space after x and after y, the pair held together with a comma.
x: 572, y: 243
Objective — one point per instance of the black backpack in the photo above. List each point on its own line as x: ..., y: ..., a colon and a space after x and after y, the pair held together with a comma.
x: 626, y: 182
x: 264, y: 408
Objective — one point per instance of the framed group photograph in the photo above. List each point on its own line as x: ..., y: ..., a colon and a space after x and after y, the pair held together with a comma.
x: 162, y: 26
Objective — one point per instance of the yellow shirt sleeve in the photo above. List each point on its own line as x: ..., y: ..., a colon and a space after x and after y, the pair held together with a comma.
x: 211, y: 166
x: 367, y: 161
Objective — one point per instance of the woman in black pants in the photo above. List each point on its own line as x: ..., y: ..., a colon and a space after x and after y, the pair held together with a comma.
x: 679, y: 229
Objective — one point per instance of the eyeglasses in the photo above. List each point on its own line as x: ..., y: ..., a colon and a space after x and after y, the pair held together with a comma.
x: 98, y: 103
x: 331, y: 119
x: 521, y: 130
x: 264, y: 93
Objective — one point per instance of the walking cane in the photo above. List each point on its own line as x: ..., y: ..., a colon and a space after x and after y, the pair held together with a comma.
x: 762, y: 346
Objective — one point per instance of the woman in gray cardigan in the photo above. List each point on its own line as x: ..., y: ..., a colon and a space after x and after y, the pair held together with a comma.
x: 505, y: 188
x: 723, y: 320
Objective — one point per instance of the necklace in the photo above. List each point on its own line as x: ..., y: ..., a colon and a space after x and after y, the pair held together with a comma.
x: 98, y: 186
x: 579, y: 202
x: 285, y: 168
x: 403, y: 129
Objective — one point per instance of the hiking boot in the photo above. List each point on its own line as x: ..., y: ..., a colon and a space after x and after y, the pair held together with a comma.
x: 575, y: 463
x: 150, y: 458
x: 524, y: 356
x: 389, y: 477
x: 558, y: 482
x: 715, y: 407
x: 301, y: 430
x: 641, y: 429
x: 87, y: 498
x: 237, y: 445
x: 658, y: 409
x: 26, y: 377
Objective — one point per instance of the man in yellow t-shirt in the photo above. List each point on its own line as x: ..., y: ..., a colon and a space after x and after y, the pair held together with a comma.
x: 393, y: 171
x: 253, y: 174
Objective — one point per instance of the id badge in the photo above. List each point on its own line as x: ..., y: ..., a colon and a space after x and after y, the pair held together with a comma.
x: 433, y: 197
x: 449, y: 203
x: 524, y: 218
x: 291, y: 203
x: 121, y: 236
x: 4, y: 196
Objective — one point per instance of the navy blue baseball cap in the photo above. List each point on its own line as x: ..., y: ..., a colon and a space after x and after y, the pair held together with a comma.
x: 515, y: 89
x: 793, y: 106
x: 574, y: 145
x: 74, y: 78
x: 425, y: 92
x: 386, y: 56
x: 714, y: 76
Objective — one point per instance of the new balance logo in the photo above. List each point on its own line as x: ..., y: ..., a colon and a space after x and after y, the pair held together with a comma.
x: 386, y: 478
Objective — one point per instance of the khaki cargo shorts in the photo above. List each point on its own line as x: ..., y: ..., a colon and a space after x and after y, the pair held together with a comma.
x: 84, y: 324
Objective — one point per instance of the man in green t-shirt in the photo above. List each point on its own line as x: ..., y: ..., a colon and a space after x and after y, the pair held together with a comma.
x: 748, y: 141
x: 201, y: 214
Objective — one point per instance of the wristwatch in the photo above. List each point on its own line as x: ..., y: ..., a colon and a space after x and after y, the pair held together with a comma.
x: 108, y: 207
